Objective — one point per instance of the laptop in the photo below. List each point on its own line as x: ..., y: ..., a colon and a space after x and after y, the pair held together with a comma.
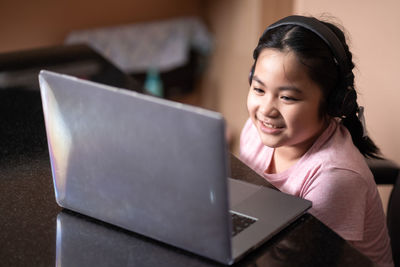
x: 155, y: 167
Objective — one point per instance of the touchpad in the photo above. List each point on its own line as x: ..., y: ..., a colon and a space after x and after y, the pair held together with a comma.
x: 240, y: 191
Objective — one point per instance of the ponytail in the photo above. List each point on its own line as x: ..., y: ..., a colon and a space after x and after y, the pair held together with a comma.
x: 349, y: 111
x: 358, y: 134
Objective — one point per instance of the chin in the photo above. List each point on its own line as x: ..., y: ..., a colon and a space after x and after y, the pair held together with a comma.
x: 270, y: 140
x: 270, y: 143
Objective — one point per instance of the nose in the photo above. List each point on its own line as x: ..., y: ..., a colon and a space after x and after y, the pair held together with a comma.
x: 269, y: 108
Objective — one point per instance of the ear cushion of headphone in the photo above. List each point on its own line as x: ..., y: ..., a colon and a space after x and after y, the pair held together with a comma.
x: 342, y: 102
x: 349, y: 104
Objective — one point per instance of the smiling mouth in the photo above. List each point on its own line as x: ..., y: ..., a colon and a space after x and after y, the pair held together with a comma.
x: 273, y: 126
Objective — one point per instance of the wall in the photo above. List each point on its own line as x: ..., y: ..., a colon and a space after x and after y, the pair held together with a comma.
x: 373, y: 28
x: 31, y: 24
x: 236, y: 25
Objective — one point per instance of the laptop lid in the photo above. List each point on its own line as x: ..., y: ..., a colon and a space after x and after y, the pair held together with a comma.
x: 139, y: 162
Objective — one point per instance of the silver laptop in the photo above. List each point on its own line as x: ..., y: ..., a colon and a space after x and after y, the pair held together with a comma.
x: 155, y: 167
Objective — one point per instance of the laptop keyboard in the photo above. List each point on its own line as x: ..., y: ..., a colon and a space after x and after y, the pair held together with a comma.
x: 239, y: 223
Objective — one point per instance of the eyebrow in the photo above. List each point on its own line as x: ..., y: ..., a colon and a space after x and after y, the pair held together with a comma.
x: 255, y: 78
x: 290, y: 88
x: 282, y: 88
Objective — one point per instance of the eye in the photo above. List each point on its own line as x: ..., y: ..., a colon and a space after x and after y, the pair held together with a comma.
x: 288, y: 98
x: 258, y: 90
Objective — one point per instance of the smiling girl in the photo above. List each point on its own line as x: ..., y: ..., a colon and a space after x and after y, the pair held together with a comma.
x: 305, y: 133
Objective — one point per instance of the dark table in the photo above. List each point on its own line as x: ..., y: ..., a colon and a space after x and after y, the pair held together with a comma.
x: 35, y: 231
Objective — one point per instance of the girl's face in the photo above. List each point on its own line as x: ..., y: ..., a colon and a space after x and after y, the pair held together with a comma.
x: 283, y: 102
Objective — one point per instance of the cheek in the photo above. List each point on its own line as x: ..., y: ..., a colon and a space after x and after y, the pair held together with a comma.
x: 302, y: 118
x: 293, y: 118
x: 250, y: 103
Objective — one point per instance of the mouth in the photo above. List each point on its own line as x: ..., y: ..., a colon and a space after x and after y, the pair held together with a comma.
x: 270, y: 125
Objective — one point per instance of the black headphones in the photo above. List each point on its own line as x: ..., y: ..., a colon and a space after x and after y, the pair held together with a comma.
x: 340, y: 105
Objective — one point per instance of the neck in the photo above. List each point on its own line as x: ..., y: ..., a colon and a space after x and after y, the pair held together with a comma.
x: 294, y: 153
x: 283, y: 159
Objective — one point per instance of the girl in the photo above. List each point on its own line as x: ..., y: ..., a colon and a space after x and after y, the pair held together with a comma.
x: 305, y: 133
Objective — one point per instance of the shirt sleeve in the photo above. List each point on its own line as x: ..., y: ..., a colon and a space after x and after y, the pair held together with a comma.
x: 339, y: 199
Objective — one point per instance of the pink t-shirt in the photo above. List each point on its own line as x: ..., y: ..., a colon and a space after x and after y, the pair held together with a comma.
x: 333, y: 175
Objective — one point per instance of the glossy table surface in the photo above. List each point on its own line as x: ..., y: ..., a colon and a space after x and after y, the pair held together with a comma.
x: 35, y: 231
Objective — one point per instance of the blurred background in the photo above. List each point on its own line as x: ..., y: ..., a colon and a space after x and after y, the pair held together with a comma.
x: 233, y: 27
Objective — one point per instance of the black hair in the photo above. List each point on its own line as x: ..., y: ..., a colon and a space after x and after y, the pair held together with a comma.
x: 339, y: 94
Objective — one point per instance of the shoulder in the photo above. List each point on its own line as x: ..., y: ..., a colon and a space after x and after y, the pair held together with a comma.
x: 340, y: 179
x: 339, y: 198
x: 336, y: 154
x: 334, y: 164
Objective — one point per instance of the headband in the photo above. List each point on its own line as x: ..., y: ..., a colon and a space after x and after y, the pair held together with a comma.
x: 324, y: 32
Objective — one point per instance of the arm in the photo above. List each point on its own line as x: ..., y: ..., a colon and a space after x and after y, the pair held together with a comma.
x: 339, y: 199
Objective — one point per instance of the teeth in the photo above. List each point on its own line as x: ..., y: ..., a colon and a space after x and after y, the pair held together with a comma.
x: 271, y: 125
